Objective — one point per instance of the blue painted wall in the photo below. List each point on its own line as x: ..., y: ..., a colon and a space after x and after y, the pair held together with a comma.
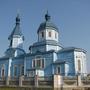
x: 5, y: 63
x: 68, y: 57
x: 48, y: 59
x: 18, y: 62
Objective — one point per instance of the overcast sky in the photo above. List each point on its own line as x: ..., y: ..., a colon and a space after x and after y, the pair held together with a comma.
x: 72, y: 17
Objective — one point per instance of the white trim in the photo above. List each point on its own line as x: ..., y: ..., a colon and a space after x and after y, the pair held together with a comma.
x: 9, y: 67
x: 36, y: 59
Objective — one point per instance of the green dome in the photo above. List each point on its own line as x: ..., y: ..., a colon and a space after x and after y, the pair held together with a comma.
x: 47, y: 24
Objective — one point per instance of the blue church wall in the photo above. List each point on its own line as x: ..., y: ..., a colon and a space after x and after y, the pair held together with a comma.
x: 48, y: 64
x: 48, y: 59
x: 56, y: 58
x: 68, y: 57
x: 37, y: 48
x: 63, y: 69
x: 18, y: 62
x: 4, y: 63
x: 6, y: 68
x: 53, y: 60
x: 28, y: 62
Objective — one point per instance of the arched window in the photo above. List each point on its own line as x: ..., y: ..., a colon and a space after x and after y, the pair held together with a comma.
x: 22, y: 70
x: 42, y: 34
x: 3, y: 71
x: 49, y: 34
x: 55, y: 35
x: 79, y: 65
x: 58, y: 71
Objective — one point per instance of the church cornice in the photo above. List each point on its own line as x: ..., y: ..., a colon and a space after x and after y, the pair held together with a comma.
x: 68, y: 49
x: 40, y: 53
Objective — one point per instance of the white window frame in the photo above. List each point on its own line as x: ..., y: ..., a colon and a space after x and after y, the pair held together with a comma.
x: 35, y: 60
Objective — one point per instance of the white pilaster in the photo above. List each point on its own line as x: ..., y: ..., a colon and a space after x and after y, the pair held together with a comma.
x: 9, y: 67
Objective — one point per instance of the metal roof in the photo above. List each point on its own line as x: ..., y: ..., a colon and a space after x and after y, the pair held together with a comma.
x: 16, y: 31
x: 47, y: 24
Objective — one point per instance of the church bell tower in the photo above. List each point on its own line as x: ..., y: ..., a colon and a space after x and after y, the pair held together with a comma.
x: 16, y: 38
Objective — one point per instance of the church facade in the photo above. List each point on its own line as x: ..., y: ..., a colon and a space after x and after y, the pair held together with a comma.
x: 46, y: 57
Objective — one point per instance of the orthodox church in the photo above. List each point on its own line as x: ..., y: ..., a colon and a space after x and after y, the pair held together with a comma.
x: 46, y: 56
